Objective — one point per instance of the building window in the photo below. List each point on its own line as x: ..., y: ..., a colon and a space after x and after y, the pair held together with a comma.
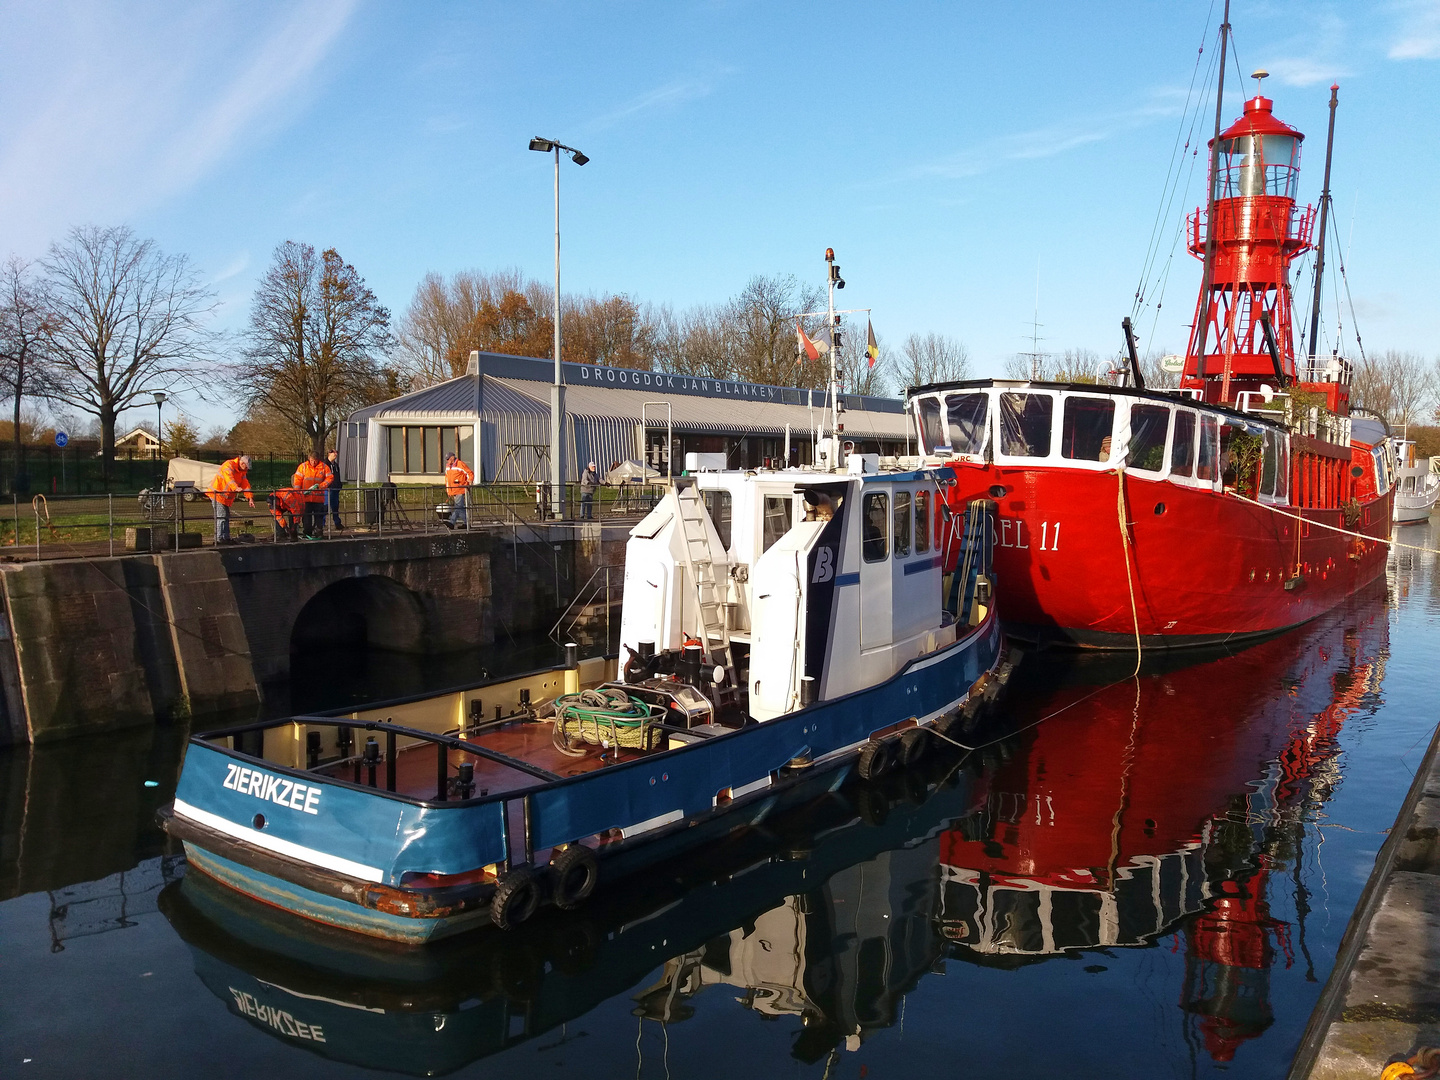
x: 922, y: 522
x: 876, y: 526
x: 421, y: 451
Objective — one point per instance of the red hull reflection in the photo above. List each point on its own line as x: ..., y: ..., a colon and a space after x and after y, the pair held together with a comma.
x: 1176, y: 794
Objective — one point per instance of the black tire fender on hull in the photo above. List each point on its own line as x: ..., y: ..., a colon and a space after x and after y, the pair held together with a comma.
x: 574, y: 873
x: 516, y: 898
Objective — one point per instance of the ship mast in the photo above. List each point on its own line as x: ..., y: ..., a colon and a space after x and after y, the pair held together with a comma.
x: 1210, y: 212
x: 1324, y: 218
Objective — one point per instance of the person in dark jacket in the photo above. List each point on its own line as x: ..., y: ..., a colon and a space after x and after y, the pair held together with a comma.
x: 332, y: 492
x: 589, y: 481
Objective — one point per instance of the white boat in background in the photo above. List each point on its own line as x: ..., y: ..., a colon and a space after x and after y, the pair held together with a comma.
x: 1417, y: 484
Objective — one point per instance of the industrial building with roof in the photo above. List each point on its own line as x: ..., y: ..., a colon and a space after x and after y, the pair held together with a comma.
x: 612, y: 415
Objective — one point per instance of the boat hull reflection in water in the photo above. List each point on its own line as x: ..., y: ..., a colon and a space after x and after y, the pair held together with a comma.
x: 1139, y: 809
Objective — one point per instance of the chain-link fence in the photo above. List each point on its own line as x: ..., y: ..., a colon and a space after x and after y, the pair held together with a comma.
x: 59, y: 526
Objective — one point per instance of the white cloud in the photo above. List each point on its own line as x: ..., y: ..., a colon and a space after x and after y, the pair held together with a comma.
x: 1045, y: 142
x: 669, y: 96
x: 1418, y: 36
x: 1306, y: 71
x: 111, y: 112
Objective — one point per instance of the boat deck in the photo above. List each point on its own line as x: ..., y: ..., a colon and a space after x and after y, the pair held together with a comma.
x: 529, y: 741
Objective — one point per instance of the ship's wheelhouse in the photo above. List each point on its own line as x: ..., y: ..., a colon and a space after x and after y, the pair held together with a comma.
x: 1074, y: 427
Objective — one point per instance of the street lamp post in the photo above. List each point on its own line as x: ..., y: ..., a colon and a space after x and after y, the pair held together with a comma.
x: 159, y: 396
x: 557, y: 389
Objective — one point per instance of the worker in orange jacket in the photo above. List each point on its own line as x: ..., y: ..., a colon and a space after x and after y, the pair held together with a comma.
x: 230, y: 480
x: 286, y: 507
x: 458, y: 479
x: 313, y: 477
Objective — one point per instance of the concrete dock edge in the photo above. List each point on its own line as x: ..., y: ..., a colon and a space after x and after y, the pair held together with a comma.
x: 1399, y: 909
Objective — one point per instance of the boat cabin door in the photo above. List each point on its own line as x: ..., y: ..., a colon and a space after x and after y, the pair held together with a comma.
x: 876, y: 586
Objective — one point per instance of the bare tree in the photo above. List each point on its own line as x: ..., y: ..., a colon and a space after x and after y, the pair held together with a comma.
x: 1398, y: 386
x: 932, y: 358
x: 25, y: 328
x: 610, y: 330
x: 761, y: 320
x: 315, y: 332
x: 125, y: 317
x: 1412, y: 386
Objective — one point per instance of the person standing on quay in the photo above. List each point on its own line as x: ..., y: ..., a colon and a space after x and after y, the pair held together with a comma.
x: 231, y: 479
x: 313, y: 477
x: 589, y: 481
x: 458, y: 479
x: 332, y: 461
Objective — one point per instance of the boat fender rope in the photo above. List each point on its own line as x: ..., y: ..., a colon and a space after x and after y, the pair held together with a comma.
x: 1125, y: 552
x: 1331, y: 528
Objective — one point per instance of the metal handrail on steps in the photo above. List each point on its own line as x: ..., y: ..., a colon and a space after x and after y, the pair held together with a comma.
x: 586, y: 595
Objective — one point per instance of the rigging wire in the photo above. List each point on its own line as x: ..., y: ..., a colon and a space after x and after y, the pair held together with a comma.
x: 1354, y: 325
x: 1177, y: 151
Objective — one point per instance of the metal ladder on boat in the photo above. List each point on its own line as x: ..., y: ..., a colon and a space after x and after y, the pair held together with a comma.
x: 709, y: 591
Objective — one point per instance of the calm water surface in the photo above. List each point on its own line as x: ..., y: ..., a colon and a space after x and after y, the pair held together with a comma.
x: 1148, y: 877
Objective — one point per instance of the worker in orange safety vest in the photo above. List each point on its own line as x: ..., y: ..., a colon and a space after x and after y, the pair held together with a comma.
x: 286, y: 506
x: 230, y: 480
x: 458, y: 479
x: 313, y: 477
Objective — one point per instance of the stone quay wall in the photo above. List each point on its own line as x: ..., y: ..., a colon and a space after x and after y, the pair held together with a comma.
x: 94, y: 645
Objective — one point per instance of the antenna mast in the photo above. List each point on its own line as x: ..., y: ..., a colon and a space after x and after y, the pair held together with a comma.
x: 1210, y: 212
x: 1324, y: 217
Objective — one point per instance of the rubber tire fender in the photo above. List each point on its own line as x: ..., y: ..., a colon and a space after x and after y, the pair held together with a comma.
x: 516, y: 898
x: 914, y: 745
x: 574, y: 873
x: 875, y: 759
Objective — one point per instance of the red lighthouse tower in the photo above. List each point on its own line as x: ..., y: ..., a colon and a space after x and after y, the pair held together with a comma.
x: 1248, y: 238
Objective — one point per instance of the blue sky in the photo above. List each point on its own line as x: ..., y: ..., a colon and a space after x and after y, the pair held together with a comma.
x: 945, y: 150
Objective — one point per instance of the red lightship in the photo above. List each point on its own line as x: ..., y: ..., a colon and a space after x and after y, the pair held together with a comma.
x: 1245, y: 502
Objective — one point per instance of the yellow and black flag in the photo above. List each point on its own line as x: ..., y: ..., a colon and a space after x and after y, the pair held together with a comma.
x: 872, y: 350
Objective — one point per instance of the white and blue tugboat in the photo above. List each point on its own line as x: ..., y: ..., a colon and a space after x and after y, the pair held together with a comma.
x: 780, y: 630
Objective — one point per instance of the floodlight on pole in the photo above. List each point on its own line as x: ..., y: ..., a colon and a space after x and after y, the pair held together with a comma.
x: 557, y: 389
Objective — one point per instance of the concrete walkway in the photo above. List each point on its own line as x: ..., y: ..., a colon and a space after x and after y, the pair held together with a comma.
x: 1383, y: 999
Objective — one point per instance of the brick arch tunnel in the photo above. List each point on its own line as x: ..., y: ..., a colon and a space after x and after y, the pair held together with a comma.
x: 367, y: 612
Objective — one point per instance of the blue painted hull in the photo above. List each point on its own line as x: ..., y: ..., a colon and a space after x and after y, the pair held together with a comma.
x: 343, y: 854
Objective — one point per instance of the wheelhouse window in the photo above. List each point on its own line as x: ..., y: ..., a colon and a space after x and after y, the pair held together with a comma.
x: 876, y: 524
x: 1182, y: 444
x: 1085, y: 431
x: 922, y: 521
x: 902, y: 524
x: 931, y: 433
x: 1149, y: 425
x: 1025, y: 421
x: 1207, y: 462
x: 965, y: 415
x: 717, y: 505
x: 777, y: 519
